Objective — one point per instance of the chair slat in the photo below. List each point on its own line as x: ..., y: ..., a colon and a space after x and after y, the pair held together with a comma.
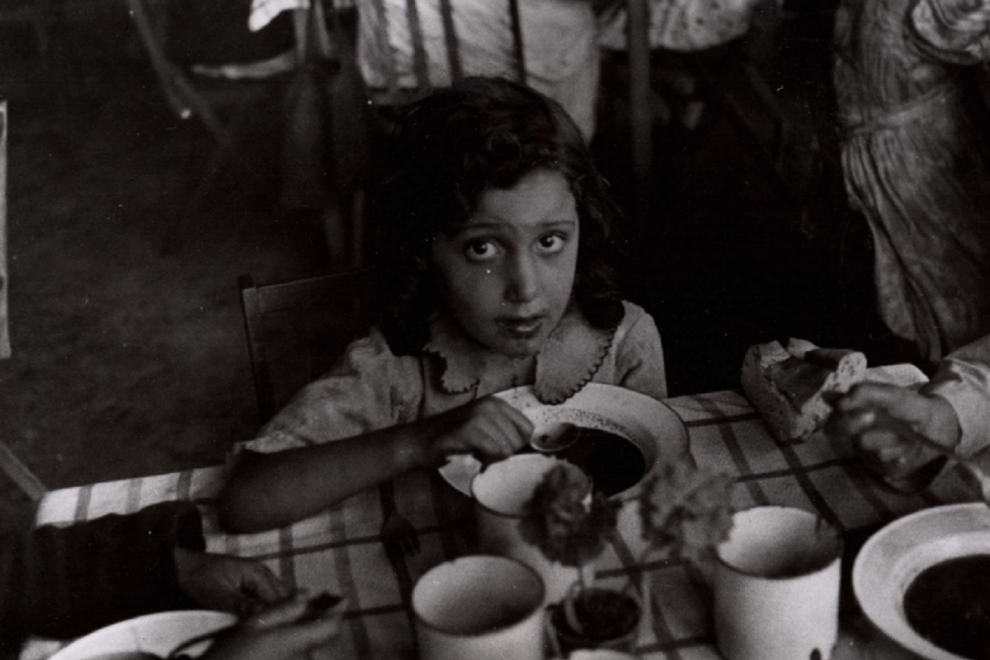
x: 640, y: 119
x: 297, y: 329
x: 4, y: 313
x: 21, y: 474
x: 517, y: 41
x: 450, y: 37
x: 420, y: 60
x: 384, y: 47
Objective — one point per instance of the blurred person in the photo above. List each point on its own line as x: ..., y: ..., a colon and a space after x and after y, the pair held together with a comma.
x: 685, y: 37
x: 66, y: 581
x: 559, y: 44
x: 915, y: 136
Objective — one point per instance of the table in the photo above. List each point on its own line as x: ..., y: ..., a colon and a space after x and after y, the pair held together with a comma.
x: 340, y: 551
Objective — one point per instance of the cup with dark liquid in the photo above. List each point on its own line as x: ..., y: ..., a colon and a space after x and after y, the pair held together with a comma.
x: 501, y: 493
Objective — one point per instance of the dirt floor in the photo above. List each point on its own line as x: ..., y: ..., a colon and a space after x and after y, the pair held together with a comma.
x: 127, y: 361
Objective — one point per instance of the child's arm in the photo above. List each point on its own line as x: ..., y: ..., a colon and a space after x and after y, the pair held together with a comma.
x: 270, y: 490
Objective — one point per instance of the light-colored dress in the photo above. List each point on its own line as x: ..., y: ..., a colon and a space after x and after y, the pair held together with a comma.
x: 370, y: 388
x: 559, y: 44
x: 916, y: 162
x: 680, y: 25
x: 559, y: 41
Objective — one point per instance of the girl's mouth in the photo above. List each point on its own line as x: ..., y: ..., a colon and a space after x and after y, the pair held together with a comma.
x: 521, y: 328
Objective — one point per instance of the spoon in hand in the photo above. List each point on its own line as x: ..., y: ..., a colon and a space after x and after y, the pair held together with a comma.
x: 882, y: 419
x: 555, y: 437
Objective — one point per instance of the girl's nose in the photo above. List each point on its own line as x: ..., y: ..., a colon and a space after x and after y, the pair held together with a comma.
x: 521, y: 279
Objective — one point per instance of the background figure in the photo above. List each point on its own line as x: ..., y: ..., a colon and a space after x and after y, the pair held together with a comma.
x: 914, y: 158
x: 559, y: 41
x: 64, y: 582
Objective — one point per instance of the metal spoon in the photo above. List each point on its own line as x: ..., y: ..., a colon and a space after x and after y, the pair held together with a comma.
x: 882, y: 419
x: 555, y: 437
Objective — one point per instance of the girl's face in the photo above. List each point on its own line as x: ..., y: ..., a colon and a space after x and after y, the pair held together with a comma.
x: 508, y: 272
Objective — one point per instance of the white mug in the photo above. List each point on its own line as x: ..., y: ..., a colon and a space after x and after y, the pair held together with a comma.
x: 480, y: 607
x: 501, y: 493
x: 776, y: 586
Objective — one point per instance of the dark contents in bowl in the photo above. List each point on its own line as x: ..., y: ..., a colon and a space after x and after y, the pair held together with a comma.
x: 949, y: 605
x: 613, y: 462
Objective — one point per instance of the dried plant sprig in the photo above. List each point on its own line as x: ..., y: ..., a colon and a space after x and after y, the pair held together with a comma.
x: 569, y: 524
x: 686, y: 511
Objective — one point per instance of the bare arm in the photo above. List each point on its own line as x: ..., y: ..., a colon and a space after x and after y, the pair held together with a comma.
x: 271, y: 490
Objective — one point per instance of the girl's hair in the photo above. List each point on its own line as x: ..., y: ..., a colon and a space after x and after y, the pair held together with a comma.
x: 447, y: 150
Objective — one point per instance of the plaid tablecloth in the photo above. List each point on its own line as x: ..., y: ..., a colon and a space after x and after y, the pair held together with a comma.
x: 340, y: 550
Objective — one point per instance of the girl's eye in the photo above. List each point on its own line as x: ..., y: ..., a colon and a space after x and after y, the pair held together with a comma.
x: 481, y: 250
x: 552, y: 243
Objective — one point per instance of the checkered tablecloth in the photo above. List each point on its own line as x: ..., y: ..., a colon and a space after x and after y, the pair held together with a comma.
x: 340, y: 550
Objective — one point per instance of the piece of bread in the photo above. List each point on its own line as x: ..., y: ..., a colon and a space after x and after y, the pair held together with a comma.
x: 786, y: 385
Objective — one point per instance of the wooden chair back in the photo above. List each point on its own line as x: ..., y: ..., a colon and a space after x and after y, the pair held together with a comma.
x: 296, y: 330
x: 395, y: 91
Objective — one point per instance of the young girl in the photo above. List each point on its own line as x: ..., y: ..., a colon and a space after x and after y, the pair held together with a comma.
x: 495, y: 246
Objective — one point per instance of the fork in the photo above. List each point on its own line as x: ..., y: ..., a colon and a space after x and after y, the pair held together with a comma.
x: 397, y: 532
x: 884, y: 420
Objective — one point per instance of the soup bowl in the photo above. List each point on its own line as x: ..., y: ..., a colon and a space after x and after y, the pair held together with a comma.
x: 649, y: 427
x: 891, y: 560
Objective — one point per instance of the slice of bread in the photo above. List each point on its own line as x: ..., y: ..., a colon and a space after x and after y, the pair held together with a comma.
x: 787, y: 385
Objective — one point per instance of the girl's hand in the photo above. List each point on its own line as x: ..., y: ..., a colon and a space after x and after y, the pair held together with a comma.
x: 283, y: 632
x: 223, y: 582
x: 886, y: 453
x: 489, y: 428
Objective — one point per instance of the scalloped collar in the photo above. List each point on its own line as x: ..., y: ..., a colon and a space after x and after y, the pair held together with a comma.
x: 573, y: 353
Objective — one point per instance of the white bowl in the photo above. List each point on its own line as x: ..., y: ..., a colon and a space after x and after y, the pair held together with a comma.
x: 649, y: 424
x: 159, y: 634
x: 893, y: 557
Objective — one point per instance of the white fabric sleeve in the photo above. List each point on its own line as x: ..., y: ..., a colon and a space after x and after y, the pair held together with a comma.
x: 368, y: 389
x: 963, y: 379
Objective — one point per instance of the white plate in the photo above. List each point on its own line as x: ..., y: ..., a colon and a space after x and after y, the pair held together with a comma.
x: 893, y: 557
x: 154, y: 633
x: 650, y: 424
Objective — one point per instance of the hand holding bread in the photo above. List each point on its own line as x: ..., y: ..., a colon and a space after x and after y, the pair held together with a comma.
x: 789, y: 385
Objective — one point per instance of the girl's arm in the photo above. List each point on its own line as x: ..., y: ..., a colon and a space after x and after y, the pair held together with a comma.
x: 271, y: 490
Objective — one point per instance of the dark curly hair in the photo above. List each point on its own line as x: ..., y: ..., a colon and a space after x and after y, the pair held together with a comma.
x: 445, y: 151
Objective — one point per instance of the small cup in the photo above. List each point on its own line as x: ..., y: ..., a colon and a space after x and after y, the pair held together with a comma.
x: 480, y: 607
x: 501, y: 493
x: 776, y: 586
